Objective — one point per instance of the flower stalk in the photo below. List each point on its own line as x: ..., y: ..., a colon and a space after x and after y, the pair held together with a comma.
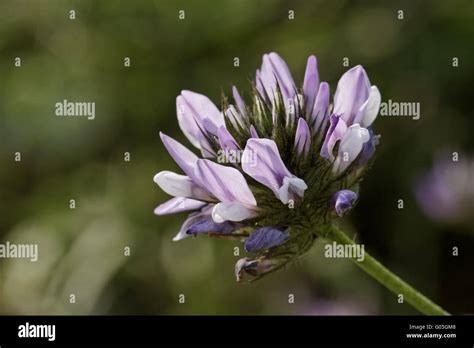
x: 385, y: 277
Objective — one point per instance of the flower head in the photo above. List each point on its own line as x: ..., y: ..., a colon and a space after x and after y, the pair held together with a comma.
x: 277, y: 167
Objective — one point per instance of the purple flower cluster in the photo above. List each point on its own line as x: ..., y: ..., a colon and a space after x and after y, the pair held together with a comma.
x: 274, y: 171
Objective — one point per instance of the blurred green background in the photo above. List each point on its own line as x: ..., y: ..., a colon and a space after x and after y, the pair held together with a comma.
x: 81, y: 251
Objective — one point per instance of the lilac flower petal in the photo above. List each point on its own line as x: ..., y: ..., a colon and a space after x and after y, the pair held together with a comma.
x: 352, y: 91
x: 350, y: 147
x: 230, y: 211
x: 368, y: 111
x: 259, y: 85
x: 178, y: 205
x: 253, y: 132
x: 268, y: 78
x: 204, y: 111
x: 343, y: 201
x: 265, y: 238
x: 268, y: 169
x: 239, y: 101
x: 183, y: 157
x: 302, y: 137
x: 335, y: 132
x: 320, y: 113
x: 283, y: 75
x: 275, y: 73
x: 310, y: 83
x: 226, y: 140
x: 225, y: 183
x: 180, y: 186
x: 192, y: 127
x: 188, y: 124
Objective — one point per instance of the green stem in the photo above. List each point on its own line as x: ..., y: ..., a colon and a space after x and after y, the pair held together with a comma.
x: 387, y: 278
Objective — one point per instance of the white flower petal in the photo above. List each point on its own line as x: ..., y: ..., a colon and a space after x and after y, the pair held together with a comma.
x: 370, y: 109
x: 228, y: 211
x: 178, y: 205
x: 179, y: 186
x: 292, y: 187
x: 350, y: 147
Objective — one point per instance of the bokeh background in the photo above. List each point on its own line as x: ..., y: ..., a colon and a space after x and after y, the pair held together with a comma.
x: 82, y: 250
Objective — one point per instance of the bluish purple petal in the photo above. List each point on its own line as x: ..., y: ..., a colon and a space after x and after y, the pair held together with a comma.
x: 207, y: 225
x: 265, y: 238
x: 192, y: 219
x: 343, y: 201
x: 368, y: 149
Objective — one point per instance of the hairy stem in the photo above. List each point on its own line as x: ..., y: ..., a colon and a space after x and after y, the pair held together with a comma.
x: 387, y: 278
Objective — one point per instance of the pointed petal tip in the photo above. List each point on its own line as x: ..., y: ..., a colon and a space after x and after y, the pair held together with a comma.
x: 312, y: 59
x: 178, y: 237
x: 324, y: 86
x: 302, y: 137
x: 156, y: 177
